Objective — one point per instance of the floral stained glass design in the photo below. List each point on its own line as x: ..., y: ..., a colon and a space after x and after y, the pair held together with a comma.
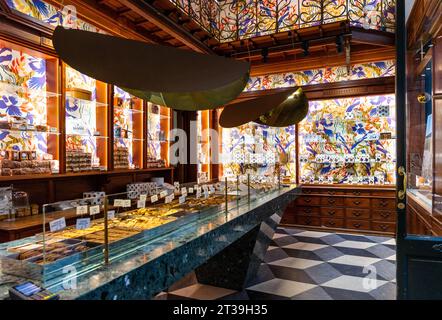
x: 325, y: 75
x: 23, y: 94
x: 349, y: 140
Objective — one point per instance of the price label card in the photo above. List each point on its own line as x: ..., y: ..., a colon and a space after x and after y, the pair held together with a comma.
x: 184, y: 191
x: 118, y: 203
x: 212, y: 189
x: 168, y: 199
x: 83, y: 223
x: 205, y: 187
x: 163, y: 194
x: 57, y: 225
x: 176, y: 184
x: 143, y: 197
x: 141, y: 204
x: 190, y: 190
x: 198, y: 193
x: 206, y: 194
x: 81, y: 210
x: 126, y: 203
x: 93, y: 210
x: 182, y: 199
x: 195, y: 186
x: 111, y: 214
x: 154, y: 198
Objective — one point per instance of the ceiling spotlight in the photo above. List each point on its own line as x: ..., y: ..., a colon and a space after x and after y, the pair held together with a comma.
x: 305, y: 46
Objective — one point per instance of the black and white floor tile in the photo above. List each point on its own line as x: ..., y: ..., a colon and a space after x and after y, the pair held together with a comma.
x: 312, y: 265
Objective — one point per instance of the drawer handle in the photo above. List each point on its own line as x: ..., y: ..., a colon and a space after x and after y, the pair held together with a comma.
x: 332, y: 223
x: 385, y: 214
x: 332, y: 192
x: 308, y: 200
x: 357, y: 202
x: 331, y: 200
x: 383, y: 227
x: 357, y: 193
x: 357, y: 225
x: 383, y: 203
x: 332, y: 213
x: 308, y: 221
x: 308, y: 210
x: 357, y: 213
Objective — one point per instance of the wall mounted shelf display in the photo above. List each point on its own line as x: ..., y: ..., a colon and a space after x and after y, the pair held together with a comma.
x: 349, y: 141
x: 29, y: 121
x: 158, y: 140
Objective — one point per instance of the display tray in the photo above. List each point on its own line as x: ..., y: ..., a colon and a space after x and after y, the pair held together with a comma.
x: 80, y: 251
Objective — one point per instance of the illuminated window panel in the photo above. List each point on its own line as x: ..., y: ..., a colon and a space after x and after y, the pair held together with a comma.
x: 158, y: 136
x: 349, y: 141
x: 86, y: 123
x: 128, y: 130
x: 258, y: 150
x: 203, y: 146
x: 29, y: 117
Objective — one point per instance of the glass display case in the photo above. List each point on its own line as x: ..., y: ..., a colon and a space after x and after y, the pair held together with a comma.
x: 86, y: 132
x: 127, y: 130
x: 158, y: 135
x: 84, y: 234
x: 258, y: 149
x: 349, y: 141
x: 29, y: 116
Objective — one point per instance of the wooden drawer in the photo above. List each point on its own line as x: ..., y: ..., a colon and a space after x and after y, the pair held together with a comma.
x: 332, y: 201
x: 307, y: 201
x: 386, y: 204
x: 358, y: 193
x: 332, y: 223
x: 382, y: 215
x: 353, y: 213
x: 308, y: 221
x: 357, y: 202
x: 383, y: 193
x: 307, y: 211
x: 288, y: 217
x: 331, y: 212
x: 383, y: 226
x: 357, y: 224
x: 308, y: 190
x: 332, y: 192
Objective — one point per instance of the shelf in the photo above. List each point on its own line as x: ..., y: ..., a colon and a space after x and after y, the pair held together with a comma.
x: 97, y: 104
x: 86, y: 136
x: 11, y: 89
x: 128, y: 139
x: 129, y: 110
x: 29, y: 131
x: 161, y: 116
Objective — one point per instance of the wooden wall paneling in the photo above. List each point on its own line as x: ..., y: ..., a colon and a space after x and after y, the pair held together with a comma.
x: 110, y: 125
x: 437, y: 67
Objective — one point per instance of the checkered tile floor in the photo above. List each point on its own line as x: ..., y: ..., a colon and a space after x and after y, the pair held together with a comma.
x: 313, y: 265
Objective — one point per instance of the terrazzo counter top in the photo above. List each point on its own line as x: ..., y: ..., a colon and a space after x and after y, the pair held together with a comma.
x: 153, y: 266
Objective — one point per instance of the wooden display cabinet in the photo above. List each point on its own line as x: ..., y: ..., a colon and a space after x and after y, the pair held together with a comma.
x: 159, y: 124
x: 204, y: 121
x: 128, y: 131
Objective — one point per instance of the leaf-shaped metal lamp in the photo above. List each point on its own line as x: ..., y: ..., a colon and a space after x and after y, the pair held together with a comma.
x: 172, y: 77
x: 276, y: 110
x: 291, y: 111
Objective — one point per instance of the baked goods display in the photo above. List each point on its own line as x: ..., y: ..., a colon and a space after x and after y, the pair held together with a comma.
x: 78, y: 160
x: 154, y: 163
x: 121, y: 157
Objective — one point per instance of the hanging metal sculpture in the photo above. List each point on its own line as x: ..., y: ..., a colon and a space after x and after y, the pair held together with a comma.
x: 178, y: 79
x: 281, y: 109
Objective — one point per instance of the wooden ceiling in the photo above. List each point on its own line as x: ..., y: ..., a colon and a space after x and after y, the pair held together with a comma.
x: 159, y: 21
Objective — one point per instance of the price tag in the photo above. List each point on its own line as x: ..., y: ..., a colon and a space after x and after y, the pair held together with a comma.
x: 176, y: 184
x: 168, y: 199
x: 141, y: 204
x: 126, y: 203
x: 182, y: 199
x: 206, y: 194
x: 154, y: 198
x: 111, y: 214
x: 198, y: 193
x: 93, y: 210
x: 184, y: 191
x: 118, y: 203
x: 163, y: 194
x: 57, y: 225
x: 195, y: 186
x: 190, y: 190
x: 205, y: 187
x: 81, y: 210
x: 212, y: 189
x: 83, y: 223
x: 143, y: 197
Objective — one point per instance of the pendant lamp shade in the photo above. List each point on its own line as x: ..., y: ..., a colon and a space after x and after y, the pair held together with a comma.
x: 172, y: 77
